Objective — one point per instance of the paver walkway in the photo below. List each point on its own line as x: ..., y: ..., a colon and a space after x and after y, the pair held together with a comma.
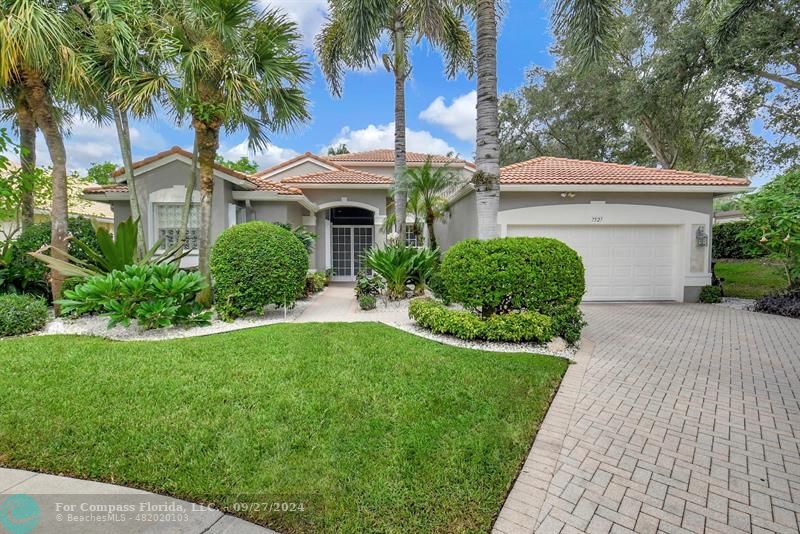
x: 71, y: 506
x: 683, y: 418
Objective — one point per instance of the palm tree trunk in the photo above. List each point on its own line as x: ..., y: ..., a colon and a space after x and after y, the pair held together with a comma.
x: 400, y: 74
x: 42, y: 107
x: 27, y: 158
x: 187, y: 199
x: 207, y: 145
x: 429, y: 220
x: 487, y: 150
x: 124, y: 137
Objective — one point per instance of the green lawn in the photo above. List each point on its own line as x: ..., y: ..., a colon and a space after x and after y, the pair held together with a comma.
x: 750, y: 279
x: 369, y: 427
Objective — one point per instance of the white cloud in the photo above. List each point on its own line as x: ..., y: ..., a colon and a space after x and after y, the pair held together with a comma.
x: 264, y: 158
x: 308, y: 14
x: 382, y: 136
x: 457, y: 118
x: 87, y: 142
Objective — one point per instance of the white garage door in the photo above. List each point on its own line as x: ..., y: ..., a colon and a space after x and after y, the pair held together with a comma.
x: 622, y: 262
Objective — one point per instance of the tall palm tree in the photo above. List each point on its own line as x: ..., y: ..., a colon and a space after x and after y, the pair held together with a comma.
x: 351, y: 39
x: 20, y: 114
x: 37, y: 53
x: 111, y: 29
x: 427, y: 185
x: 239, y: 68
x: 587, y: 26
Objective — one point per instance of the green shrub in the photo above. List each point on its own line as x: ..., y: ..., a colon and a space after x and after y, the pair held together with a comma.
x: 21, y: 314
x: 729, y: 241
x: 711, y: 294
x: 367, y: 302
x: 156, y: 296
x: 305, y: 237
x: 29, y: 273
x: 367, y: 284
x: 567, y: 322
x: 512, y: 327
x: 255, y: 264
x: 394, y: 263
x: 315, y: 282
x: 513, y: 273
x: 436, y: 285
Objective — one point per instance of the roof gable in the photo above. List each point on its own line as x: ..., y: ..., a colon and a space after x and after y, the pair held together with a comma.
x: 324, y: 164
x: 386, y: 156
x: 339, y: 176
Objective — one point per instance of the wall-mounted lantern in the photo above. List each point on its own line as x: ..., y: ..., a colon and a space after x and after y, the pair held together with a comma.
x: 701, y: 237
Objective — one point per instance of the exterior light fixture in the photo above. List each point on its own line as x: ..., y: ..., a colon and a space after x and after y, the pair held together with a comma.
x: 701, y: 237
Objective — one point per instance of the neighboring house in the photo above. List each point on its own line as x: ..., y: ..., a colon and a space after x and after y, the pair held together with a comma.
x: 98, y: 212
x: 727, y: 216
x: 643, y: 233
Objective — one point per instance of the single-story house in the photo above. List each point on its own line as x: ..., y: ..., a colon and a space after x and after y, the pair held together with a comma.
x: 643, y: 233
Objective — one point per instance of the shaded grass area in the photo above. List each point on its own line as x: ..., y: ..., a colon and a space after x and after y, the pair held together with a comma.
x: 750, y: 279
x: 368, y: 427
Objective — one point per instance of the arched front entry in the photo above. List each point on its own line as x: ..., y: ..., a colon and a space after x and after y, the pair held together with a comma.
x: 352, y: 233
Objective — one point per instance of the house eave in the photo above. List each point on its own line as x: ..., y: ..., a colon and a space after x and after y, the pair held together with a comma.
x: 105, y: 197
x: 269, y: 196
x: 338, y: 186
x: 628, y: 188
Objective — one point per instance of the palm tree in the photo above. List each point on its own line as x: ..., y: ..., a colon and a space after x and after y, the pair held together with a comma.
x: 38, y: 54
x: 352, y: 36
x: 238, y: 69
x: 587, y: 26
x: 20, y: 114
x: 427, y: 185
x: 112, y: 47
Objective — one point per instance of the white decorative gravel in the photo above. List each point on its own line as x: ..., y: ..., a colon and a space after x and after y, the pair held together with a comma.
x: 737, y: 304
x: 95, y: 325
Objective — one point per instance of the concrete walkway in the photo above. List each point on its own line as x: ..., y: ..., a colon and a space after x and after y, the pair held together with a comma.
x: 338, y: 304
x: 678, y: 418
x: 48, y: 504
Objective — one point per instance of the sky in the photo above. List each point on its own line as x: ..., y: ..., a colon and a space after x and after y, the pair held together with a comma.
x: 440, y: 113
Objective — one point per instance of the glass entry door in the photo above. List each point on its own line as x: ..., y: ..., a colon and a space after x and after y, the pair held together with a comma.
x: 348, y: 243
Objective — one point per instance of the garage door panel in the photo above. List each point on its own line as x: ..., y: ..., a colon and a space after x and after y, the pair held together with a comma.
x: 622, y: 262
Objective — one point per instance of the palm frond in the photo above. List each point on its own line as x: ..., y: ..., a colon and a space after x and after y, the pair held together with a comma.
x: 588, y: 26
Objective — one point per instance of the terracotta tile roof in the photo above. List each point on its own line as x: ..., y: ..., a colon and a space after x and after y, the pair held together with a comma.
x: 112, y: 188
x: 185, y: 153
x: 386, y: 155
x: 319, y: 159
x: 344, y: 176
x: 556, y: 171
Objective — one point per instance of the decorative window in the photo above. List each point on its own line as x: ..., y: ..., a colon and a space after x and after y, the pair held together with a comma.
x: 168, y: 225
x: 411, y: 236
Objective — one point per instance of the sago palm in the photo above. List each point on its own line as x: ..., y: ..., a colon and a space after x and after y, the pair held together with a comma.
x: 429, y: 185
x: 38, y: 54
x: 237, y: 68
x: 351, y: 39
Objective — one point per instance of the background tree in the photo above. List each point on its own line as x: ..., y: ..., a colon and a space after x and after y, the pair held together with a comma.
x: 239, y: 69
x: 243, y: 164
x: 351, y: 39
x: 38, y: 56
x: 338, y: 150
x: 100, y: 173
x: 757, y: 39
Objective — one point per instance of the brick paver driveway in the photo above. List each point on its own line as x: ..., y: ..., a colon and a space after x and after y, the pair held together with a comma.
x: 684, y: 418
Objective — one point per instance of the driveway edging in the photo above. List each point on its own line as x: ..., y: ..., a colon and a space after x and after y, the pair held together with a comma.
x: 522, y: 510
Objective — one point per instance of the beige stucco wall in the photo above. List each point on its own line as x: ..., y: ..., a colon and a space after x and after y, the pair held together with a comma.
x: 686, y: 201
x: 461, y: 222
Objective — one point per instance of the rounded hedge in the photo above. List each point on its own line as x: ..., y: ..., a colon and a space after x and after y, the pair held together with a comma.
x: 255, y: 264
x: 513, y: 273
x: 32, y: 272
x: 21, y: 314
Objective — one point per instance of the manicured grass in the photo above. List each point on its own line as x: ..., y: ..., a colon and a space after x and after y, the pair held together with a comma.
x: 372, y: 429
x: 750, y: 279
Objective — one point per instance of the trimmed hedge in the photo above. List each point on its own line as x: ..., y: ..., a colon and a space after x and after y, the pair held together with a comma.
x: 21, y: 314
x: 729, y: 241
x: 512, y: 273
x: 567, y: 322
x: 255, y: 264
x: 514, y: 327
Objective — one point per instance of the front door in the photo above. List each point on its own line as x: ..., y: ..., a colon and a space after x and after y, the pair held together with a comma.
x: 348, y: 243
